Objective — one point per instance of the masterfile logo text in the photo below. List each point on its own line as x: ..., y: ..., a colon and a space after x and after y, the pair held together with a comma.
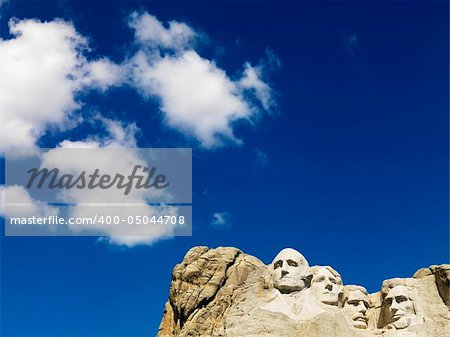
x: 91, y: 191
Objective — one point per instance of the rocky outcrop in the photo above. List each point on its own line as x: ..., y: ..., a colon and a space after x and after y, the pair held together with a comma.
x: 225, y: 292
x: 442, y: 277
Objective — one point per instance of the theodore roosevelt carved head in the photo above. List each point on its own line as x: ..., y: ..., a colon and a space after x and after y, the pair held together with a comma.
x: 356, y: 302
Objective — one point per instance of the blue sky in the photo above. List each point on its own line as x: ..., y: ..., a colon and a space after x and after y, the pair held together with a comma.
x: 349, y: 165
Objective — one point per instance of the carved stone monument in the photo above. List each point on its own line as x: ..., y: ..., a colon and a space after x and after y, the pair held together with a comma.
x: 225, y: 292
x: 289, y: 268
x: 326, y: 284
x: 356, y: 303
x: 400, y: 308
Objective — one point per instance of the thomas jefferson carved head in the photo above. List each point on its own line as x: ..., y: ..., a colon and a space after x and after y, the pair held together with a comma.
x: 356, y: 302
x: 326, y: 284
x: 289, y: 268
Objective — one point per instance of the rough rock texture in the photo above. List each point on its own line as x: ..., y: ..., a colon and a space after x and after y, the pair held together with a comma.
x: 224, y: 292
x: 442, y: 276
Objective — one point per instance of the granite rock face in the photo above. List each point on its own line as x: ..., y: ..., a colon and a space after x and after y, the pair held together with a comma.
x: 225, y: 292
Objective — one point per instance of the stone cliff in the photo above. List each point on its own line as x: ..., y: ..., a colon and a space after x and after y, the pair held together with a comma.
x: 225, y: 292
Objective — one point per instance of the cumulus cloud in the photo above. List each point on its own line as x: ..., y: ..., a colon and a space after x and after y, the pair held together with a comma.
x: 43, y: 68
x: 221, y: 220
x: 90, y: 203
x: 118, y: 134
x: 120, y: 160
x: 102, y: 74
x: 150, y: 32
x: 197, y: 96
x: 21, y: 204
x: 113, y: 201
x: 251, y: 80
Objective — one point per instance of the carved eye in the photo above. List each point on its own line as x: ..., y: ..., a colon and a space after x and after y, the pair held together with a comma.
x: 278, y: 264
x: 355, y: 303
x: 320, y: 279
x: 292, y: 263
x: 389, y: 301
x: 400, y: 299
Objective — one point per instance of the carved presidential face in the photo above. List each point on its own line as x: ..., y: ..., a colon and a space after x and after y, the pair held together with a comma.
x: 326, y: 286
x: 356, y: 304
x: 400, y: 307
x: 289, y: 268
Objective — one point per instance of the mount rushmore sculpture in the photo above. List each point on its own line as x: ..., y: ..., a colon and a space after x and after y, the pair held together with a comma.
x: 225, y: 292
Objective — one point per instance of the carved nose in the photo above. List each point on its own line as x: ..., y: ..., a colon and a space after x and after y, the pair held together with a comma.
x: 284, y: 273
x: 394, y: 306
x: 362, y: 308
x: 329, y: 286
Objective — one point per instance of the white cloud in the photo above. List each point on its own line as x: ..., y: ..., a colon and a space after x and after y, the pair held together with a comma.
x: 121, y: 139
x: 119, y: 134
x: 121, y: 160
x: 43, y: 68
x: 197, y: 97
x: 150, y: 32
x: 221, y: 220
x: 24, y: 205
x: 103, y: 74
x: 251, y: 80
